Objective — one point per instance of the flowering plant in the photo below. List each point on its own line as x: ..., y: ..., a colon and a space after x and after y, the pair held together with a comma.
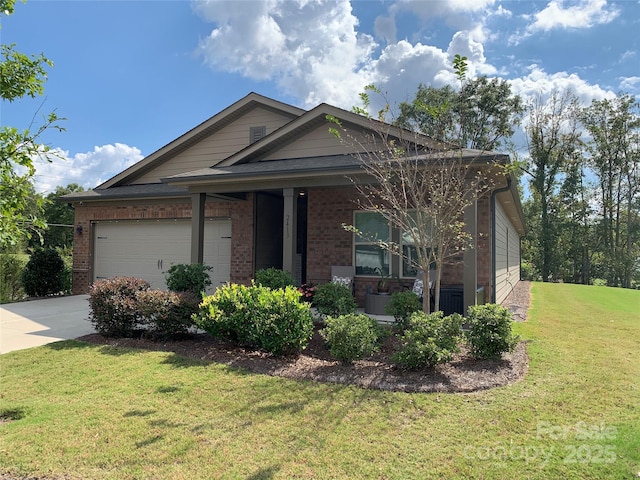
x: 307, y: 290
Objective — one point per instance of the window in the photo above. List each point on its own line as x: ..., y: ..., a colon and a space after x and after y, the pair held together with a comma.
x: 370, y: 258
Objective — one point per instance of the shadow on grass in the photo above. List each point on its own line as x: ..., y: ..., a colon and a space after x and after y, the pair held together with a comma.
x: 264, y: 473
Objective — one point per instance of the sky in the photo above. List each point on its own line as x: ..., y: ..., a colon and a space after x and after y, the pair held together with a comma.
x: 131, y: 76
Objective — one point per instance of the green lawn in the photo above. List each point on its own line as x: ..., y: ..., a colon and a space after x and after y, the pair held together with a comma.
x: 92, y: 412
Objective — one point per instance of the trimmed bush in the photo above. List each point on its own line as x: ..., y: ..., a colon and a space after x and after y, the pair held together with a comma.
x: 167, y: 314
x: 192, y: 278
x: 274, y: 278
x: 114, y: 307
x: 43, y: 274
x: 429, y: 340
x: 333, y: 299
x: 352, y: 337
x: 11, y: 268
x: 402, y: 305
x: 489, y: 334
x: 257, y: 316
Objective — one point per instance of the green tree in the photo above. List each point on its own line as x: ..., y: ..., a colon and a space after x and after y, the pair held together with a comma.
x: 20, y: 76
x: 59, y: 219
x: 614, y: 148
x: 553, y: 141
x: 481, y: 115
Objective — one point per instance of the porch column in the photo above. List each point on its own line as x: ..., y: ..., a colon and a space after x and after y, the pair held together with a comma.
x: 289, y: 229
x: 470, y: 257
x: 197, y: 227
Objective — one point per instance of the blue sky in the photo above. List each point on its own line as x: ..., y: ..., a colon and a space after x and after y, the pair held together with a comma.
x: 130, y: 76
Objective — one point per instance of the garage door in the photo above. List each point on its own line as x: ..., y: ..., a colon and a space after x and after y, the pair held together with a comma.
x: 147, y: 249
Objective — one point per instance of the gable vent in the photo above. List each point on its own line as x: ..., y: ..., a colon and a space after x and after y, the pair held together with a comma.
x: 256, y: 133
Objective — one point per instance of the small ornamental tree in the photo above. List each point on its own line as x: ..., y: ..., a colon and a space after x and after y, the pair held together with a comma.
x: 423, y: 185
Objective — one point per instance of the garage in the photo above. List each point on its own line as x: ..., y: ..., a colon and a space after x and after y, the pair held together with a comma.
x: 148, y: 248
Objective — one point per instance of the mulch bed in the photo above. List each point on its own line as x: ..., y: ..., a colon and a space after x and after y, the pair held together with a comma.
x: 463, y: 374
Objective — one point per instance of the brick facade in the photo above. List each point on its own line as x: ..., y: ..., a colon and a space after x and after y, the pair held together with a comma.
x: 86, y: 213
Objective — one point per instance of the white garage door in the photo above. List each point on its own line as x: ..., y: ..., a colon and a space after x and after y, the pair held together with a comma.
x: 147, y: 249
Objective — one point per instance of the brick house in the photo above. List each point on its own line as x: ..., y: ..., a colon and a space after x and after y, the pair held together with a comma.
x: 262, y: 184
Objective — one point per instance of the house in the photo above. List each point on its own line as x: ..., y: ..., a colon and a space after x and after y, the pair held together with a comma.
x: 263, y: 184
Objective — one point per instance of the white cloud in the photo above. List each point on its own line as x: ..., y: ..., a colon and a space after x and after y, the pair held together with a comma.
x: 629, y: 84
x: 86, y: 169
x: 540, y: 83
x: 583, y: 14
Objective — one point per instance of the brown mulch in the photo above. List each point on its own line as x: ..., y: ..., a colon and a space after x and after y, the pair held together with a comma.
x: 463, y: 374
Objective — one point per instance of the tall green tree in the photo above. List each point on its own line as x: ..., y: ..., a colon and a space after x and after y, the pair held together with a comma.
x: 59, y: 217
x: 553, y: 141
x: 482, y: 114
x: 614, y: 148
x: 20, y: 76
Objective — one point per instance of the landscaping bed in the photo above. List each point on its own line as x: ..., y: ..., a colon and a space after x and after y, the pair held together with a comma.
x: 463, y: 374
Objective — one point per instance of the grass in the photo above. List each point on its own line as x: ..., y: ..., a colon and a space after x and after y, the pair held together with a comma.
x: 76, y: 410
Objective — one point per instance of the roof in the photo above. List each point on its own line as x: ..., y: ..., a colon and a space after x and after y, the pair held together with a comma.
x: 151, y: 190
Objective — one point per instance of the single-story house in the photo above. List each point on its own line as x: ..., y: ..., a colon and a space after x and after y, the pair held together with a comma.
x: 265, y: 184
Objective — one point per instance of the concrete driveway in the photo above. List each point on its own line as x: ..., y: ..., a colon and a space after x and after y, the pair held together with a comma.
x: 38, y: 322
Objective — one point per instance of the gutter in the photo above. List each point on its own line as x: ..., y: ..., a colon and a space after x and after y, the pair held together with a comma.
x: 493, y: 235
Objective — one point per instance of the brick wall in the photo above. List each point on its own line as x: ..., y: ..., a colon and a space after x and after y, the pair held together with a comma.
x: 242, y: 240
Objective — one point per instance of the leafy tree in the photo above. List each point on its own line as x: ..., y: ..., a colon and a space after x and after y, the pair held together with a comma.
x: 423, y: 187
x: 59, y: 218
x: 553, y: 141
x: 20, y: 76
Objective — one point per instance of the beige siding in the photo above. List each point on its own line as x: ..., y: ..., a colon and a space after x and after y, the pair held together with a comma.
x: 223, y: 143
x: 317, y: 142
x: 507, y: 255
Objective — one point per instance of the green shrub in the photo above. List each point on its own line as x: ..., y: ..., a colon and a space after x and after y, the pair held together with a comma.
x: 401, y: 306
x: 352, y: 337
x: 167, y: 314
x: 257, y: 316
x: 11, y: 268
x: 43, y: 274
x: 489, y: 334
x: 429, y: 340
x: 114, y: 307
x: 274, y: 278
x: 333, y: 299
x: 192, y: 278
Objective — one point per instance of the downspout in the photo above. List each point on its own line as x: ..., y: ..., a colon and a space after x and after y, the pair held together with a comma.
x: 493, y: 236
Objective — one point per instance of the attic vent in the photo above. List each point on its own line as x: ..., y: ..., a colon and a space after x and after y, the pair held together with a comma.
x: 256, y: 133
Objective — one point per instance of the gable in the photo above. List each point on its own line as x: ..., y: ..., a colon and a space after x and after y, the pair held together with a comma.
x: 211, y: 150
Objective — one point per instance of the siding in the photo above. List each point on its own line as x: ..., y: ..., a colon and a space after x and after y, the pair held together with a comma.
x: 507, y: 255
x: 318, y: 141
x: 218, y: 146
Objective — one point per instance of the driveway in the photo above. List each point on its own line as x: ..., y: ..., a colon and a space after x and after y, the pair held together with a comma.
x: 38, y: 322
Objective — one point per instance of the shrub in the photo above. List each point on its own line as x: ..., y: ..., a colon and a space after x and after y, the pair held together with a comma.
x: 11, y: 268
x: 489, y: 334
x: 308, y: 291
x: 43, y: 274
x: 352, y: 337
x: 258, y: 316
x: 114, y: 307
x: 402, y: 305
x: 274, y: 278
x: 167, y: 314
x: 192, y: 278
x: 429, y: 340
x: 333, y: 299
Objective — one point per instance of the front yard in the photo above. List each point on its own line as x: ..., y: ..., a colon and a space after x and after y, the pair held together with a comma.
x: 78, y: 410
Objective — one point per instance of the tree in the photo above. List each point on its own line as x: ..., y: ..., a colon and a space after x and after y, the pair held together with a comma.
x: 614, y: 126
x: 59, y: 218
x: 20, y: 75
x: 422, y: 185
x: 553, y: 139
